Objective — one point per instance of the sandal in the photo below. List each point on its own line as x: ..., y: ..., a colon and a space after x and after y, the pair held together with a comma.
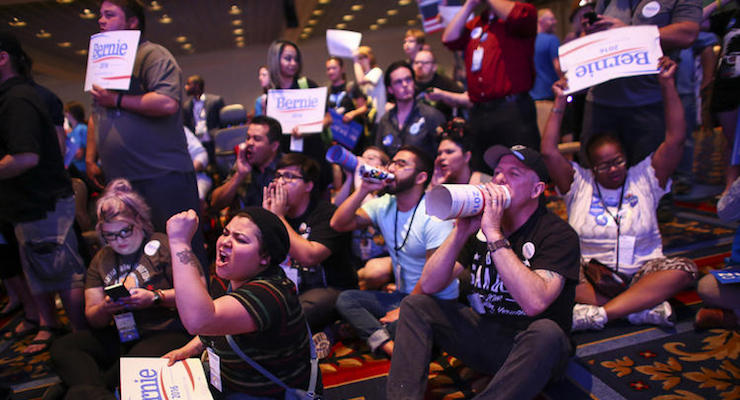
x: 45, y: 342
x: 13, y: 334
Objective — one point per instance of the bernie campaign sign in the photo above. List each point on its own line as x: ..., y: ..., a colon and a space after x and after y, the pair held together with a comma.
x: 611, y: 54
x: 150, y: 378
x: 110, y: 59
x: 303, y: 108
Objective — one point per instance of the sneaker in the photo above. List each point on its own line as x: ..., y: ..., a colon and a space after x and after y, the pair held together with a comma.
x: 587, y: 316
x: 322, y: 344
x: 661, y: 315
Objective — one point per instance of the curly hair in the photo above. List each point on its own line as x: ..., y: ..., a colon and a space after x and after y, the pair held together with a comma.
x: 120, y: 202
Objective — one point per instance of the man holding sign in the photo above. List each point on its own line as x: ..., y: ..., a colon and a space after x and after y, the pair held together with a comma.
x: 632, y: 107
x: 138, y: 133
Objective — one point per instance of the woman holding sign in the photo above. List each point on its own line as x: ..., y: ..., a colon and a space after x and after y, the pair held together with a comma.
x: 613, y: 206
x: 256, y: 309
x: 129, y: 299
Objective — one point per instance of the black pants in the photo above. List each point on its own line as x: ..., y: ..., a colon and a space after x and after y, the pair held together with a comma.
x: 506, y: 121
x: 88, y: 361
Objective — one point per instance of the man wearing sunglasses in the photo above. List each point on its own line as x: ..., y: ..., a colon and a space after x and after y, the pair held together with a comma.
x: 411, y: 237
x: 319, y: 257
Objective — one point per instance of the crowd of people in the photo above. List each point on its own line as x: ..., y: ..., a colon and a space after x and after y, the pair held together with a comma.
x: 274, y: 260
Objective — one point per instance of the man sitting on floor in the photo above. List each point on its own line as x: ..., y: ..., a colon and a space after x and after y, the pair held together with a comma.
x: 524, y: 264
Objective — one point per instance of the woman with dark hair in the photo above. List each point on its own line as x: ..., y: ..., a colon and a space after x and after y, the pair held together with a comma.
x: 139, y: 319
x: 452, y: 164
x: 613, y: 207
x: 256, y: 306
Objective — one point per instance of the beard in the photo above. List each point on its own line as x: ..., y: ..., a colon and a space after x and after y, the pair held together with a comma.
x: 401, y: 185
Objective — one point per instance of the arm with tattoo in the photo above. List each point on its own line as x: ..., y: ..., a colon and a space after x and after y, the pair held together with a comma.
x: 194, y: 304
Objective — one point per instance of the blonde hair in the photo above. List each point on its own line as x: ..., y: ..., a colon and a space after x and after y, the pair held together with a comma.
x: 367, y: 52
x: 120, y: 201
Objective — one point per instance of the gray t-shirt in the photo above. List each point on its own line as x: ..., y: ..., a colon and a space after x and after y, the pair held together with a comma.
x: 135, y: 146
x: 640, y: 90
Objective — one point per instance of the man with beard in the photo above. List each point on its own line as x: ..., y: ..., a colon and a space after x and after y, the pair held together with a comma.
x: 254, y: 168
x: 411, y: 237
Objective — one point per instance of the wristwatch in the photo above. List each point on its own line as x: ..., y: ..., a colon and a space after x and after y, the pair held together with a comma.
x: 501, y: 243
x: 157, y: 297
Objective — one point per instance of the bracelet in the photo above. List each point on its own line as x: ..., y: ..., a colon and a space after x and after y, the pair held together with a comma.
x: 118, y: 100
x: 558, y: 110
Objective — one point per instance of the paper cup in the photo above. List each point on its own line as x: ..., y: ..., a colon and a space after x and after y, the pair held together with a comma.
x: 375, y: 174
x: 457, y: 201
x: 339, y: 155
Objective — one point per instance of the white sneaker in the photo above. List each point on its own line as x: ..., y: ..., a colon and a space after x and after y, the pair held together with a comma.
x: 658, y: 315
x: 587, y: 316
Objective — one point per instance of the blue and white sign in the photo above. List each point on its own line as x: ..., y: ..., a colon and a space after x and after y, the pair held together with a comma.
x: 303, y: 108
x: 110, y: 59
x: 611, y: 54
x: 346, y: 134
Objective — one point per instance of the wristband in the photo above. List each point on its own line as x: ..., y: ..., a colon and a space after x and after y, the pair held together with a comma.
x: 118, y: 100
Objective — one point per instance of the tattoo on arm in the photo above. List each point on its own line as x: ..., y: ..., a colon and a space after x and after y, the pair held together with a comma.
x: 188, y: 257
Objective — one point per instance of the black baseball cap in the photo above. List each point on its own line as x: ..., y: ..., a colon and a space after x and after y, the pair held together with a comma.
x: 10, y: 44
x: 529, y: 157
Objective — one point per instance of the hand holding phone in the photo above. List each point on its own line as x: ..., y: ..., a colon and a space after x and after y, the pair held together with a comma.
x: 117, y: 291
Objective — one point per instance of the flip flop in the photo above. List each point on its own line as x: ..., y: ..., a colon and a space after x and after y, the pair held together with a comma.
x: 12, y: 334
x: 45, y: 342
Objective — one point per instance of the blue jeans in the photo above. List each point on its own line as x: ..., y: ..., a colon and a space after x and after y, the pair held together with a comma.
x: 363, y: 308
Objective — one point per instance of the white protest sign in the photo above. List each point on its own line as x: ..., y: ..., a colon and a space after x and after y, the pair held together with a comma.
x: 304, y: 108
x: 615, y: 53
x: 151, y: 378
x: 448, y: 13
x: 342, y: 43
x: 110, y: 59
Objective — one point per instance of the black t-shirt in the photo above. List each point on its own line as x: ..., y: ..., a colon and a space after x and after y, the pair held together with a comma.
x: 313, y: 225
x: 53, y: 103
x: 26, y: 127
x: 550, y: 244
x: 440, y: 82
x: 726, y: 94
x: 339, y: 98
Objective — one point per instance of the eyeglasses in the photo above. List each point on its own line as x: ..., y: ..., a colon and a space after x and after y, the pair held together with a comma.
x: 287, y: 176
x: 123, y: 234
x: 604, y: 167
x: 399, y: 164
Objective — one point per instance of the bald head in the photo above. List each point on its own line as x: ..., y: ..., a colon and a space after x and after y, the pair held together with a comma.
x: 546, y: 21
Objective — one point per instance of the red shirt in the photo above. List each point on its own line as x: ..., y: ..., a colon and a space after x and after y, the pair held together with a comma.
x: 508, y: 53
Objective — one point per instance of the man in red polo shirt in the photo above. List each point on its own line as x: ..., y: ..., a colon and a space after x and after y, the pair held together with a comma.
x: 499, y: 54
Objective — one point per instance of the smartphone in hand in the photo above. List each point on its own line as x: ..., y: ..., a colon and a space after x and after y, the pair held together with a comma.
x: 117, y: 291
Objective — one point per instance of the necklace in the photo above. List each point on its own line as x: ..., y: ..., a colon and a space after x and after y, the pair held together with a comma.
x: 617, y: 218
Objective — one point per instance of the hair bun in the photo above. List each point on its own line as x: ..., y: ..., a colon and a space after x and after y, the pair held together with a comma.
x: 119, y: 185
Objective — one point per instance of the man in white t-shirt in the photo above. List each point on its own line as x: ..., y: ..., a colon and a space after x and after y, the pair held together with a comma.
x: 411, y: 237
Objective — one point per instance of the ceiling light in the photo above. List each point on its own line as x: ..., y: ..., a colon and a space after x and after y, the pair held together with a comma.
x: 42, y: 34
x: 356, y: 7
x: 392, y: 11
x: 374, y: 27
x: 411, y: 22
x: 235, y: 10
x: 318, y: 12
x: 312, y: 21
x: 81, y: 52
x: 348, y: 17
x: 64, y: 44
x: 341, y: 26
x: 381, y: 21
x: 238, y: 31
x: 17, y: 22
x: 187, y: 46
x: 64, y: 1
x: 307, y: 29
x: 87, y: 14
x: 239, y: 44
x: 165, y: 19
x: 181, y: 39
x: 236, y: 22
x: 155, y: 6
x: 239, y: 39
x: 404, y: 2
x: 324, y: 1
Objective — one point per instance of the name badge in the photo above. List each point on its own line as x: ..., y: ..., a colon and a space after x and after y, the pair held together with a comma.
x: 477, y: 59
x: 214, y: 367
x: 626, y: 249
x: 126, y: 326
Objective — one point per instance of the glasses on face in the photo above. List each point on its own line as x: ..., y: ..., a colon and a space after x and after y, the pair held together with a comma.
x: 604, y: 167
x: 287, y: 177
x: 399, y: 164
x: 123, y: 234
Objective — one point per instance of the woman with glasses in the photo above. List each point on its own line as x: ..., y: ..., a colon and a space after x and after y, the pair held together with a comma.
x: 138, y: 318
x: 613, y: 207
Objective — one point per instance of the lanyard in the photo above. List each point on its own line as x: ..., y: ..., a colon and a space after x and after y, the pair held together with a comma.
x: 617, y: 218
x: 396, y: 247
